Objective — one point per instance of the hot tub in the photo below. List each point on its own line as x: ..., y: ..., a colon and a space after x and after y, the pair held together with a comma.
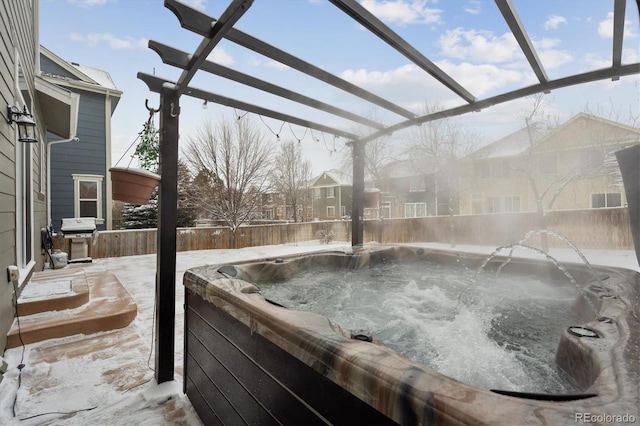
x: 249, y: 360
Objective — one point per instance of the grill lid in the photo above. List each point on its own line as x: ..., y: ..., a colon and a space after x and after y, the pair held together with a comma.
x: 78, y: 224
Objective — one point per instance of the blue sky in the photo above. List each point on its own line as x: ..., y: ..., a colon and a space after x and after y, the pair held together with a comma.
x: 466, y: 38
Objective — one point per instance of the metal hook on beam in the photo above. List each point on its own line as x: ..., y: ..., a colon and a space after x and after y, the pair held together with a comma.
x: 174, y: 114
x: 151, y: 110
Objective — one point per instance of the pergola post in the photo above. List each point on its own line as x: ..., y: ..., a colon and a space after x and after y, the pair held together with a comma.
x: 166, y: 239
x: 357, y: 206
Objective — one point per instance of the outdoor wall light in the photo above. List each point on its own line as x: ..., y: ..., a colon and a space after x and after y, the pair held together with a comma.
x: 24, y: 120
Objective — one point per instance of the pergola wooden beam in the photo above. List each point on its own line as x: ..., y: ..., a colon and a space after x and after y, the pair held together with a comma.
x: 618, y: 31
x: 156, y: 84
x: 512, y: 19
x: 168, y: 192
x: 377, y: 27
x: 180, y: 59
x: 197, y: 22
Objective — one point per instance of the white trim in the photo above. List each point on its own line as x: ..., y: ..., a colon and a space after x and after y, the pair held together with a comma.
x: 23, y: 189
x: 107, y: 142
x: 77, y: 178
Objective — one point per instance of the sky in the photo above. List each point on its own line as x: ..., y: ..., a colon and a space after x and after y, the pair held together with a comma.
x: 466, y: 38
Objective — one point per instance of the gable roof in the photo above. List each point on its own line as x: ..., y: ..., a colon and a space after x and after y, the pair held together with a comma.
x: 81, y: 77
x: 331, y: 178
x: 584, y: 130
x: 511, y: 145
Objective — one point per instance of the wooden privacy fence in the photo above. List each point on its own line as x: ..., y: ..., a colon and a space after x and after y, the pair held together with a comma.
x: 588, y: 229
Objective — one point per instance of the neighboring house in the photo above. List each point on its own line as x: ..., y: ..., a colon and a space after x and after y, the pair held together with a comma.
x: 570, y: 167
x: 416, y: 188
x: 275, y: 207
x: 80, y: 182
x: 331, y: 195
x: 23, y: 166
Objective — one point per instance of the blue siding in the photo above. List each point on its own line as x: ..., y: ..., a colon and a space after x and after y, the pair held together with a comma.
x: 88, y: 156
x: 47, y: 66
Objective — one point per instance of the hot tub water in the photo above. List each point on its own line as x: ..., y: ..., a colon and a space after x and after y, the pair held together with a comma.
x: 503, y: 335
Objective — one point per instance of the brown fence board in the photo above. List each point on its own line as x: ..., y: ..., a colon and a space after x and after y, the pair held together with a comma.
x: 587, y: 229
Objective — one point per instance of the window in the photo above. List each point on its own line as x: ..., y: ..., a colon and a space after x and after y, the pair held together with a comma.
x: 87, y: 195
x: 330, y: 192
x: 483, y: 170
x: 415, y: 210
x: 512, y: 204
x: 493, y: 204
x: 548, y: 163
x: 417, y: 184
x: 343, y: 211
x: 385, y: 209
x: 316, y: 193
x: 612, y: 199
x: 476, y: 203
x: 591, y: 158
x: 331, y: 211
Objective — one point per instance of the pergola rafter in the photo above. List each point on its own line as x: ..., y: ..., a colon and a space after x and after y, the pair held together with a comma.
x: 198, y: 24
x: 180, y: 59
x: 512, y: 19
x: 213, y: 30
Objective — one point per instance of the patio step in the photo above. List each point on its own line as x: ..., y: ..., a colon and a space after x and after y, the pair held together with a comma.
x: 97, y: 302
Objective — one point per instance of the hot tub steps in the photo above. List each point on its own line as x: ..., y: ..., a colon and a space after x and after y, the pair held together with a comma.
x: 96, y: 302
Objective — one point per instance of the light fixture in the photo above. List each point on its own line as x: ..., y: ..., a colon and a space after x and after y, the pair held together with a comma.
x: 24, y: 120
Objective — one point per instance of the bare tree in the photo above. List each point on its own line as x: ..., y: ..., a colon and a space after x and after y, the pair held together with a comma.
x: 443, y: 143
x: 237, y: 161
x: 379, y: 152
x: 600, y: 164
x: 291, y: 176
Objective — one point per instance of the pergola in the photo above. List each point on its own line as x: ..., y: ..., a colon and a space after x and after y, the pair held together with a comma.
x: 214, y: 30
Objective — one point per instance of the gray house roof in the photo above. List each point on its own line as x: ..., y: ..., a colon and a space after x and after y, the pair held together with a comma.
x: 340, y: 178
x: 511, y: 145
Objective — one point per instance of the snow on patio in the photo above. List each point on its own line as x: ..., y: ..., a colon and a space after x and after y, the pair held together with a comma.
x: 107, y: 378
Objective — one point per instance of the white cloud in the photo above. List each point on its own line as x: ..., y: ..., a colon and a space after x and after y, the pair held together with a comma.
x: 410, y: 85
x: 220, y: 56
x: 114, y: 42
x: 475, y: 8
x: 481, y: 79
x: 553, y: 58
x: 549, y: 56
x: 255, y: 62
x: 403, y: 12
x: 276, y: 65
x: 553, y: 22
x: 479, y: 46
x: 605, y: 28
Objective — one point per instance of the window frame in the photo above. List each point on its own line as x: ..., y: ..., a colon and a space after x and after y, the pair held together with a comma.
x: 413, y: 209
x: 97, y: 179
x: 330, y: 192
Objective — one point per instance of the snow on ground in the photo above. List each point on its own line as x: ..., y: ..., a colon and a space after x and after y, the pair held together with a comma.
x: 107, y: 375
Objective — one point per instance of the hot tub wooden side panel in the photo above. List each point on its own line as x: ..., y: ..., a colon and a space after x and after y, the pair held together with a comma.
x: 233, y: 376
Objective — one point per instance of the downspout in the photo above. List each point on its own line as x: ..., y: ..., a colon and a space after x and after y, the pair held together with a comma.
x: 73, y: 138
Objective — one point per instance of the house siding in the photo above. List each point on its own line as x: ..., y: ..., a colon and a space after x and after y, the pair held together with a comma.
x: 18, y: 31
x: 88, y: 156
